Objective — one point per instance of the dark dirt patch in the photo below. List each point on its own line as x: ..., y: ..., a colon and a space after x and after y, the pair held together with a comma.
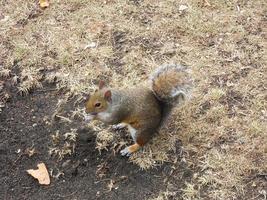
x: 232, y: 99
x: 33, y: 13
x: 23, y: 124
x: 119, y: 46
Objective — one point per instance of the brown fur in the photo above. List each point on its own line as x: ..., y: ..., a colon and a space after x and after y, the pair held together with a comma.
x: 169, y: 79
x: 146, y: 114
x: 164, y: 84
x: 140, y: 107
x: 133, y: 148
x: 142, y: 110
x: 97, y: 97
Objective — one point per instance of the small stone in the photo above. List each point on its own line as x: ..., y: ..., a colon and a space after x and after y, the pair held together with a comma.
x: 66, y: 163
x: 183, y: 7
x: 168, y: 48
x: 2, y: 16
x: 91, y: 45
x: 4, y: 19
x: 3, y: 147
x: 195, y: 175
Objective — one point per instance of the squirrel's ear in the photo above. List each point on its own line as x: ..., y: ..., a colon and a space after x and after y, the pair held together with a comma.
x: 107, y: 95
x: 101, y: 84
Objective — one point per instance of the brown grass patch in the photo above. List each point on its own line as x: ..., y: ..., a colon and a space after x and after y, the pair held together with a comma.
x: 223, y: 127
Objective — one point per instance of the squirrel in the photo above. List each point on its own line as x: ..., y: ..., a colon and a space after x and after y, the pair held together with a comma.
x: 142, y: 110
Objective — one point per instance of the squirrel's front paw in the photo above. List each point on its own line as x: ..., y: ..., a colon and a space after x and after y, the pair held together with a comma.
x: 125, y: 152
x: 88, y: 118
x: 119, y: 126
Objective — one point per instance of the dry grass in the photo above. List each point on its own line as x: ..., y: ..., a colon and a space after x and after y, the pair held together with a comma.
x: 223, y: 127
x: 63, y: 144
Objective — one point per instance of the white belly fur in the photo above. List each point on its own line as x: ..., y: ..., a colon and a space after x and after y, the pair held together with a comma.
x: 132, y: 132
x: 104, y: 116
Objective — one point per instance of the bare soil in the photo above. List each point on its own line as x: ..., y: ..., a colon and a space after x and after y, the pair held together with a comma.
x: 24, y: 125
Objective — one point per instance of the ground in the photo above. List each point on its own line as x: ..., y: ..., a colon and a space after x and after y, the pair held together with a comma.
x: 84, y: 175
x: 213, y: 146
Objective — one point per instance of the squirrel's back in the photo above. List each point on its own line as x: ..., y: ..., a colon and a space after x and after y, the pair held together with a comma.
x: 171, y: 82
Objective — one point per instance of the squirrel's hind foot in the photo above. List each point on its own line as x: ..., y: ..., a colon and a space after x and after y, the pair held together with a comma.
x: 130, y: 149
x: 125, y: 152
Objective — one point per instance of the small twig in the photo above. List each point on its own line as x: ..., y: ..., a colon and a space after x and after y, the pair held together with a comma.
x: 207, y: 2
x: 26, y: 188
x: 238, y: 8
x: 105, y: 179
x: 18, y: 158
x: 64, y: 196
x: 64, y: 118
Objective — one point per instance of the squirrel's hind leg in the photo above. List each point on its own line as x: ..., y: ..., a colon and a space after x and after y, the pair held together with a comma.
x: 133, y: 148
x: 140, y: 140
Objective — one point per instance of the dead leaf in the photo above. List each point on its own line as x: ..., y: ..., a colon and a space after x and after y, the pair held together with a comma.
x: 183, y: 7
x: 97, y: 27
x: 41, y: 174
x: 91, y: 45
x: 43, y: 3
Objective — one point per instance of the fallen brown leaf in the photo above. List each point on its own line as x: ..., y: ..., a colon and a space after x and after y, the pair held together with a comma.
x: 41, y: 174
x: 43, y: 3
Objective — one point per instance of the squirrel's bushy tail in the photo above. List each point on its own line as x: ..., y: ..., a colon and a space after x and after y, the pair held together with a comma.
x: 171, y: 82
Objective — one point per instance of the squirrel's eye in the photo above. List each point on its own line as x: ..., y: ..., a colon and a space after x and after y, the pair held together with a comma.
x: 97, y: 104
